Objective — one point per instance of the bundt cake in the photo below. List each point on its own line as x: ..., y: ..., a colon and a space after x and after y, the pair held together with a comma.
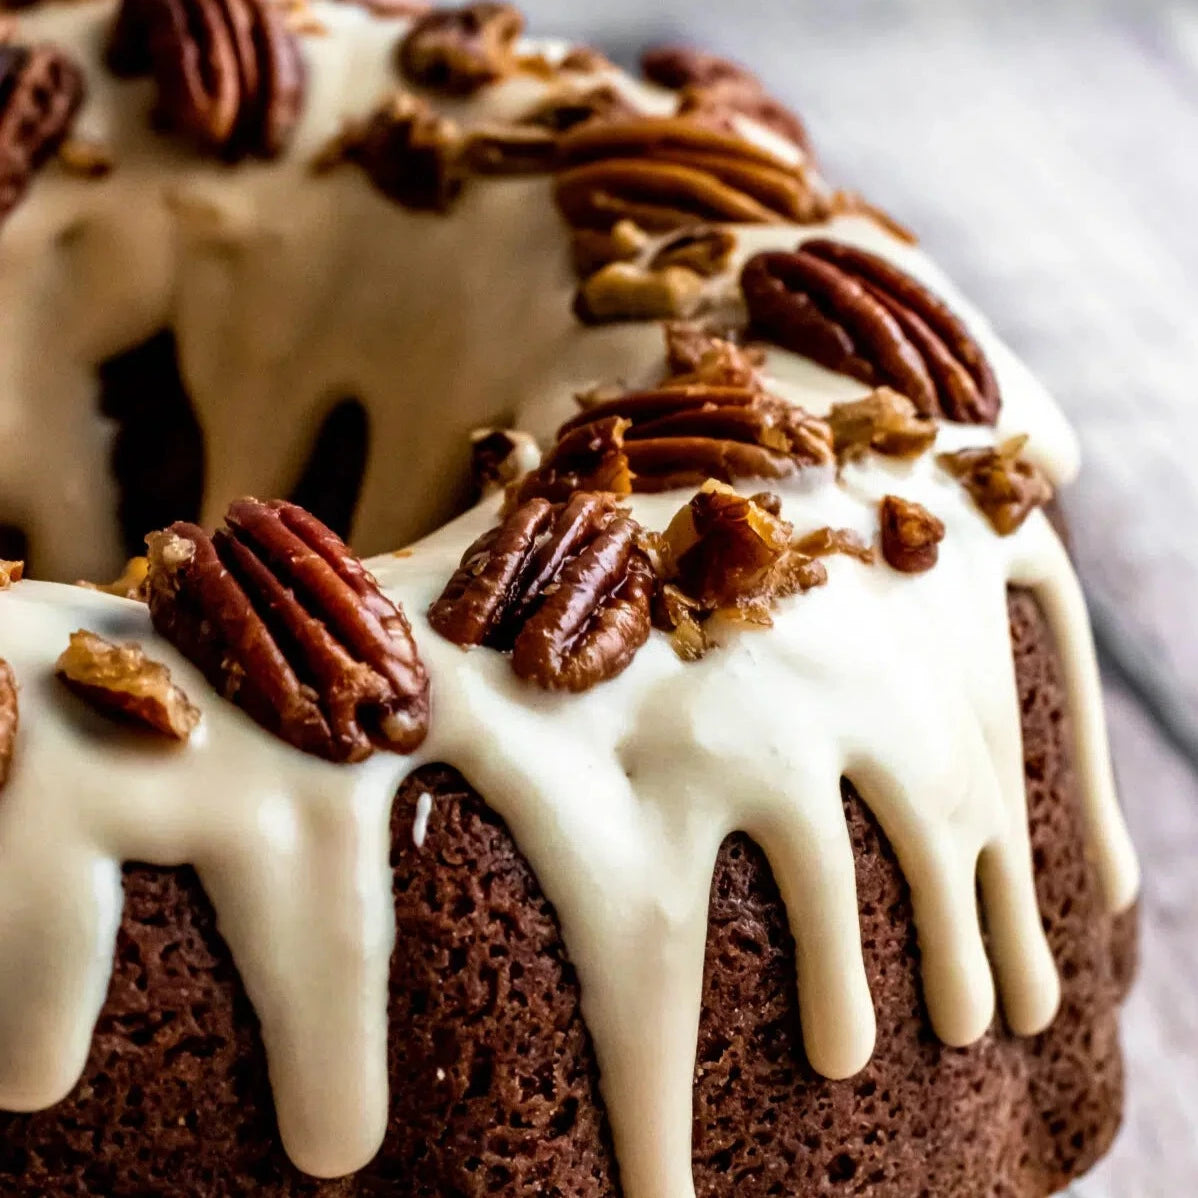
x: 666, y: 822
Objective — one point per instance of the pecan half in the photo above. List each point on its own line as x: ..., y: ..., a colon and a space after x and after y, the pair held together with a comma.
x: 10, y: 572
x: 459, y: 50
x: 727, y: 555
x: 858, y: 314
x: 412, y: 155
x: 681, y: 434
x: 230, y: 74
x: 9, y: 719
x: 883, y: 421
x: 667, y: 172
x: 566, y: 587
x: 911, y: 535
x: 40, y: 93
x: 717, y: 86
x: 1005, y: 486
x: 283, y: 620
x: 121, y: 681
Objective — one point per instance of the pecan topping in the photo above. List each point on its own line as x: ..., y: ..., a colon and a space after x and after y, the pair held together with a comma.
x: 588, y: 458
x: 572, y: 106
x: 229, y: 72
x: 883, y: 421
x: 459, y: 50
x: 1005, y: 486
x: 695, y: 354
x: 40, y: 92
x: 10, y: 572
x: 566, y: 587
x: 667, y: 173
x: 9, y: 718
x: 716, y: 86
x: 85, y: 158
x: 911, y: 535
x: 411, y: 154
x: 729, y: 556
x: 683, y: 433
x: 705, y: 251
x: 858, y: 314
x: 130, y: 585
x: 823, y: 542
x: 120, y: 680
x: 283, y: 620
x: 593, y: 248
x: 510, y: 150
x: 625, y: 291
x: 499, y: 456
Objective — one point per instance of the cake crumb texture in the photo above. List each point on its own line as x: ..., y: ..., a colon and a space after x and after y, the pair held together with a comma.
x: 494, y: 1090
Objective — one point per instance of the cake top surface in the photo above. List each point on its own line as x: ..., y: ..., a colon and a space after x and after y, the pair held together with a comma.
x: 619, y: 756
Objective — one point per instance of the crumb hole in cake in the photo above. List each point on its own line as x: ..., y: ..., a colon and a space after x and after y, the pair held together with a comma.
x: 331, y: 482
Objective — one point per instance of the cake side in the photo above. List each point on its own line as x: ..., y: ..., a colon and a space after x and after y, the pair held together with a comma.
x: 493, y: 1081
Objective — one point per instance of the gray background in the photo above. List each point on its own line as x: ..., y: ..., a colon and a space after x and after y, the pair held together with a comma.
x: 1047, y: 154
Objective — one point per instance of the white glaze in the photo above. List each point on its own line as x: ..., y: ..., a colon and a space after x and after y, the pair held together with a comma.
x: 286, y: 296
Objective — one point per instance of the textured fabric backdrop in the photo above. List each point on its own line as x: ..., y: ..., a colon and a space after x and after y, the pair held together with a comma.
x: 1047, y: 154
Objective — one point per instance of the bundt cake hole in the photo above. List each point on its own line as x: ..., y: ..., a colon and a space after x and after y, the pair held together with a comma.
x: 330, y: 484
x: 14, y: 544
x: 158, y: 451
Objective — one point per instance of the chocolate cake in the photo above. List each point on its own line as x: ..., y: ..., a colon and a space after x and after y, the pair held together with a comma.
x: 718, y: 803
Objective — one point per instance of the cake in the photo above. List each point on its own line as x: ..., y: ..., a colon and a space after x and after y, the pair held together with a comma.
x: 713, y: 799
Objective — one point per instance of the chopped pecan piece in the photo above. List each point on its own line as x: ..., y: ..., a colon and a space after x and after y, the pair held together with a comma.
x: 566, y: 587
x: 230, y: 74
x: 593, y: 248
x: 591, y: 457
x: 706, y: 251
x: 584, y: 60
x: 9, y: 719
x: 711, y: 84
x: 283, y: 620
x: 727, y: 555
x: 570, y: 107
x: 510, y: 150
x: 1005, y: 486
x: 911, y: 535
x: 412, y: 155
x: 459, y: 50
x: 883, y: 421
x: 10, y: 572
x: 823, y: 542
x: 130, y: 585
x: 40, y: 92
x: 667, y: 173
x: 695, y: 354
x: 85, y: 158
x: 858, y: 314
x: 682, y: 433
x: 499, y: 456
x: 625, y: 291
x: 120, y: 680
